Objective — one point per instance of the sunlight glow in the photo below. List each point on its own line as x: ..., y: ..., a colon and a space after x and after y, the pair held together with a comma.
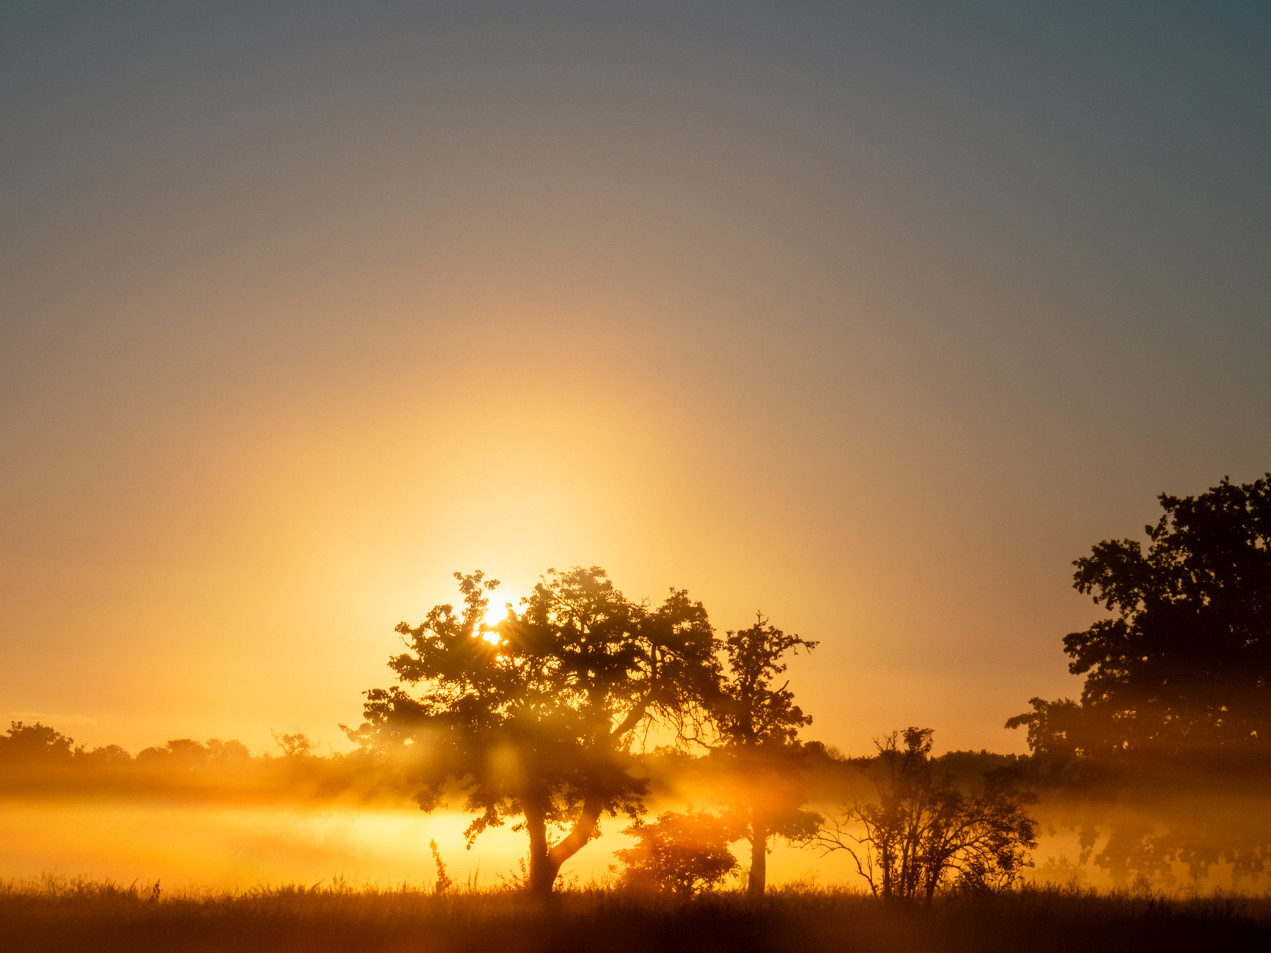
x: 494, y: 616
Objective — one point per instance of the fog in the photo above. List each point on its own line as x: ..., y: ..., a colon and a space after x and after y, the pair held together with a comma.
x: 198, y: 845
x: 194, y: 815
x: 192, y: 846
x: 218, y: 846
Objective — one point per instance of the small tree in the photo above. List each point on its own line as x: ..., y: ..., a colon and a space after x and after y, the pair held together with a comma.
x: 921, y: 833
x: 678, y: 854
x: 758, y: 724
x: 538, y: 717
x: 294, y: 744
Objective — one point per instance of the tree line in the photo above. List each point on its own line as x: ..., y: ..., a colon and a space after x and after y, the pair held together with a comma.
x: 542, y: 718
x: 565, y: 711
x: 37, y: 760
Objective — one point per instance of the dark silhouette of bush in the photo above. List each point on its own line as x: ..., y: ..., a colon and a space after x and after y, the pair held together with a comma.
x: 919, y: 833
x: 678, y: 854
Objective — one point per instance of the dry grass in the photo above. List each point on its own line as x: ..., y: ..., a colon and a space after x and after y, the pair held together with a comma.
x: 52, y: 915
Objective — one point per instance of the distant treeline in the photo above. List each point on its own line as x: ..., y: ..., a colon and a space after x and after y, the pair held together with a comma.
x: 38, y: 759
x: 1157, y: 820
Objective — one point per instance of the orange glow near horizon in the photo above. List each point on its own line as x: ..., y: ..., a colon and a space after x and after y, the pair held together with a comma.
x: 296, y: 323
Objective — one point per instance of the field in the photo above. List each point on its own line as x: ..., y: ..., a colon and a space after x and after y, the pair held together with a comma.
x: 60, y: 916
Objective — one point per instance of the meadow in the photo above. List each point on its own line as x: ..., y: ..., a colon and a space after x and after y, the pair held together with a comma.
x: 60, y: 915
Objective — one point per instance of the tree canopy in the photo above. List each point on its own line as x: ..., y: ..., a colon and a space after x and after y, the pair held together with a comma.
x: 23, y: 742
x: 537, y: 718
x: 1184, y: 661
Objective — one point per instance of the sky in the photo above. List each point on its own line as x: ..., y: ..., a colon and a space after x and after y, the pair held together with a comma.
x: 869, y: 316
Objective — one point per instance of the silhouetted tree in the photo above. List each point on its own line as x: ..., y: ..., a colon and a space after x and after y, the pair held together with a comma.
x: 1185, y: 661
x: 678, y: 854
x: 190, y: 756
x: 294, y: 744
x: 107, y: 756
x: 35, y: 743
x: 758, y: 723
x: 920, y: 832
x: 537, y: 718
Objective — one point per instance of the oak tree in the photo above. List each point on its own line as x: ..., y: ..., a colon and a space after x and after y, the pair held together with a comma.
x: 1184, y: 659
x: 537, y: 719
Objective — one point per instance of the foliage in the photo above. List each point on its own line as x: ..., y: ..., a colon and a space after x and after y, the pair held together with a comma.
x: 752, y: 709
x: 922, y: 833
x: 1159, y: 760
x: 24, y: 742
x: 1185, y: 661
x: 678, y: 854
x: 758, y: 724
x: 537, y: 718
x: 186, y: 754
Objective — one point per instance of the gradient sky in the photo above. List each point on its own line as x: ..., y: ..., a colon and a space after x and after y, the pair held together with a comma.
x: 870, y: 316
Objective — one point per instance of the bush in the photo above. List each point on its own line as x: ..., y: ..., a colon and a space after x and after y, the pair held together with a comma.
x: 678, y: 854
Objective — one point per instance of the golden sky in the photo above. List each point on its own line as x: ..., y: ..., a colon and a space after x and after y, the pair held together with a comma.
x: 870, y: 318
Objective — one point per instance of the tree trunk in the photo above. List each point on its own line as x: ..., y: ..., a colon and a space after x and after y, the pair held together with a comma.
x: 583, y: 830
x: 545, y: 860
x: 758, y: 859
x: 543, y: 870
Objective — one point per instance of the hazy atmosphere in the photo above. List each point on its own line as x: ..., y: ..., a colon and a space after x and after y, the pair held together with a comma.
x: 870, y: 316
x: 554, y: 477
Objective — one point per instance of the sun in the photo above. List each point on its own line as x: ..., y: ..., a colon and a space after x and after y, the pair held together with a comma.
x: 494, y: 616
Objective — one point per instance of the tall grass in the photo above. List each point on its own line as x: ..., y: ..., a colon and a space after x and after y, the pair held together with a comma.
x: 54, y: 914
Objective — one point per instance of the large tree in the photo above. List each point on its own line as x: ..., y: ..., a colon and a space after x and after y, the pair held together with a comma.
x: 758, y: 724
x: 536, y: 718
x: 1184, y: 661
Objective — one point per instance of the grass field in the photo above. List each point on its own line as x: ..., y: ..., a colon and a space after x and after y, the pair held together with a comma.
x: 51, y: 916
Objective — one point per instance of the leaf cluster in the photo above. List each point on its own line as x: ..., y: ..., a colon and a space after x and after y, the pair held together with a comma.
x: 753, y: 709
